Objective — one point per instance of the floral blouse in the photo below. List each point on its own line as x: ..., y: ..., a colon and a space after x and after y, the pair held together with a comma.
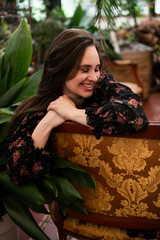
x: 112, y: 109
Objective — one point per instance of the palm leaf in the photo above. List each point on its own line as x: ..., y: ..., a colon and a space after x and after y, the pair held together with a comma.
x: 107, y: 10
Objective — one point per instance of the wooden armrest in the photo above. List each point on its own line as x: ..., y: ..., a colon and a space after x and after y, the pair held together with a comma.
x: 129, y: 63
x: 123, y: 62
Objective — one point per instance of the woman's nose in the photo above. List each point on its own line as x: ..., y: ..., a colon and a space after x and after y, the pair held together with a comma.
x: 93, y: 76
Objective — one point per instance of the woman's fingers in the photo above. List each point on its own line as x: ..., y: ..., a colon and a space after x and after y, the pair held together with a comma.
x: 63, y: 105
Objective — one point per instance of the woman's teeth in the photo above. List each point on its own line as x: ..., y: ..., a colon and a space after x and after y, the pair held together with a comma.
x: 88, y: 85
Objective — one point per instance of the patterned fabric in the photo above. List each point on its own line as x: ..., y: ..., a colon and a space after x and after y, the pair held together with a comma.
x: 113, y: 108
x: 25, y: 162
x: 126, y: 172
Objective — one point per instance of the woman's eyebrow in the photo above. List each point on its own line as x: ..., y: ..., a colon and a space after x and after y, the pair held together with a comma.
x: 87, y: 65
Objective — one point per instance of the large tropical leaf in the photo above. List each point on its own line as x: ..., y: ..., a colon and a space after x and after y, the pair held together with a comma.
x: 3, y: 81
x: 21, y: 215
x: 48, y: 186
x: 28, y: 192
x: 39, y: 208
x: 74, y: 173
x: 5, y: 115
x: 30, y: 87
x: 67, y: 194
x: 79, y: 177
x: 1, y: 60
x: 18, y: 55
x: 9, y: 96
x: 78, y: 207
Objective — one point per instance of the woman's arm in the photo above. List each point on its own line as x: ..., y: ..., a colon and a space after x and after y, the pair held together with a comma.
x: 28, y: 157
x: 66, y: 108
x: 114, y: 109
x: 43, y: 129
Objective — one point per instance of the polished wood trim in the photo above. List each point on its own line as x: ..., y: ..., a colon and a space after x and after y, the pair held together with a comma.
x: 76, y: 235
x: 121, y: 222
x: 152, y: 131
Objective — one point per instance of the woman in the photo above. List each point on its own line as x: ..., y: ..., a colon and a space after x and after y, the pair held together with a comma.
x: 72, y: 88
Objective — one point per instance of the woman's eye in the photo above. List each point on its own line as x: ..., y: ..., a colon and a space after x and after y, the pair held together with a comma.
x: 97, y: 70
x: 85, y: 70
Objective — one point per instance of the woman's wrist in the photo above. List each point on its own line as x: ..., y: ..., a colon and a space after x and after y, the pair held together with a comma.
x: 79, y: 116
x: 42, y: 131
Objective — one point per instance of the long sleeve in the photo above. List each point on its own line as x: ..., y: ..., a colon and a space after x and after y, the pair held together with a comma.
x: 114, y: 109
x: 25, y: 162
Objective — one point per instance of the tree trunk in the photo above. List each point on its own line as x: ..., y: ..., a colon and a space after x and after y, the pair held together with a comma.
x: 152, y: 8
x: 50, y: 4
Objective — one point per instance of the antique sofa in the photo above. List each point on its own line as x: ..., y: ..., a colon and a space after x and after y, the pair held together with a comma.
x: 126, y: 170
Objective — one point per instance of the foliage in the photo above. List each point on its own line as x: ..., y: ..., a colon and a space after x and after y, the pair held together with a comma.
x: 44, y: 31
x: 17, y: 200
x: 5, y: 34
x: 107, y: 10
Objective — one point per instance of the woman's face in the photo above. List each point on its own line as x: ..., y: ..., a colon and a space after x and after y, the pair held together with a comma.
x: 82, y: 84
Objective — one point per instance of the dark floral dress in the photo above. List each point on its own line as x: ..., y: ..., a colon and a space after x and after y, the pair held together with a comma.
x: 112, y: 109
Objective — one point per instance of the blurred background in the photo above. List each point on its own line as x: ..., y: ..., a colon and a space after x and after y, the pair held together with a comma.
x: 129, y: 32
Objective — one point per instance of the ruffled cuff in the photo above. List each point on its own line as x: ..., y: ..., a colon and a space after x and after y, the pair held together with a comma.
x: 95, y: 122
x: 27, y: 163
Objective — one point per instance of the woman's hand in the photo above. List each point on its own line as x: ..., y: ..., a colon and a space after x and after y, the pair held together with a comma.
x: 64, y: 106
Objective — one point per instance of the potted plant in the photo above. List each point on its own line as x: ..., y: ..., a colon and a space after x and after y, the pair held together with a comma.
x: 17, y: 200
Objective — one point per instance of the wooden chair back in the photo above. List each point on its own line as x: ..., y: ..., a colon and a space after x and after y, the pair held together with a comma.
x: 125, y: 72
x: 126, y: 170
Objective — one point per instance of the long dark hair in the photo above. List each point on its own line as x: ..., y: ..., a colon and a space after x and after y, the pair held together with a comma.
x: 61, y: 64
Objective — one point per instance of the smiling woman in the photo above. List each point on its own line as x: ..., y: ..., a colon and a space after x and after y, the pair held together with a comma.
x: 83, y: 83
x: 72, y: 88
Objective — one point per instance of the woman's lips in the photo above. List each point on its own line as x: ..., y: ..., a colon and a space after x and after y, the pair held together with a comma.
x: 88, y: 86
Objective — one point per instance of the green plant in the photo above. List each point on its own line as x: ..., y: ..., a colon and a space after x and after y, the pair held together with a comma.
x: 5, y: 34
x: 44, y: 31
x: 17, y: 201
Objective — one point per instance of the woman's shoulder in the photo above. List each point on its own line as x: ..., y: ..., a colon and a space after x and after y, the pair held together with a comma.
x: 29, y: 120
x: 32, y: 116
x: 106, y: 76
x: 105, y: 81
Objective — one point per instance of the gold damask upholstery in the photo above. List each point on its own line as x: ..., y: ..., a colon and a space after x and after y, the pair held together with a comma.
x: 126, y: 170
